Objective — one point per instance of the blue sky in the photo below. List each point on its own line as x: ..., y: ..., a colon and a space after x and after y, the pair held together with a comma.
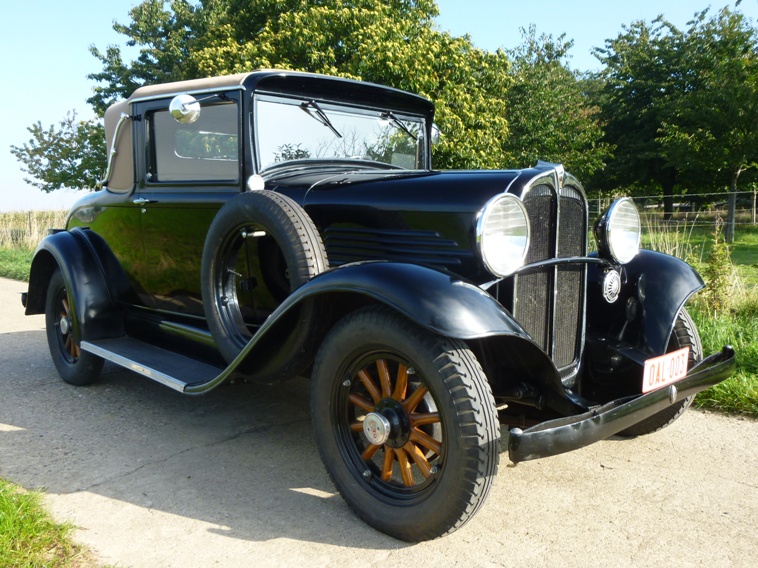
x: 46, y: 60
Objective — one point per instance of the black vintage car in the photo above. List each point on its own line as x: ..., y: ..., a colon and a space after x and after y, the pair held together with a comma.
x: 276, y: 224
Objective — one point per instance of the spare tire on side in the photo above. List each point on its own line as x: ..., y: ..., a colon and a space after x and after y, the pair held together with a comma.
x: 260, y: 247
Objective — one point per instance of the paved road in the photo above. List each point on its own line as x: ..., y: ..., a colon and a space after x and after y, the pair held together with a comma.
x: 156, y: 479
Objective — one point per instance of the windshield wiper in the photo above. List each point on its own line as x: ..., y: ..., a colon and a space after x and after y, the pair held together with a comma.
x: 399, y: 124
x: 320, y: 116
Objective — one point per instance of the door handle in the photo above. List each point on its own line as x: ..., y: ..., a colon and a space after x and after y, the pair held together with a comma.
x: 142, y: 201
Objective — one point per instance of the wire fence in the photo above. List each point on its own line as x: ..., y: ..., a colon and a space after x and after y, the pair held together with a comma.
x: 702, y: 211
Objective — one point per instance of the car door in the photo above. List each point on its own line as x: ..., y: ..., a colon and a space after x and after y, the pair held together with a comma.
x: 188, y: 172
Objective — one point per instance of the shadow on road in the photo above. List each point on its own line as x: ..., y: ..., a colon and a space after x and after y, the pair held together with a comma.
x: 241, y: 457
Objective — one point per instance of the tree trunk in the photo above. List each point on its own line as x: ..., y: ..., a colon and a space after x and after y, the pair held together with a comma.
x: 668, y: 207
x: 732, y: 207
x: 668, y: 182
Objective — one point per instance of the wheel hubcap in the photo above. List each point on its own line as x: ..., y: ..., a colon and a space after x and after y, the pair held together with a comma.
x: 398, y: 420
x: 376, y: 428
x: 65, y: 324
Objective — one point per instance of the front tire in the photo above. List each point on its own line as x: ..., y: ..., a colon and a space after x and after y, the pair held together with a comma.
x: 75, y: 366
x: 405, y: 423
x: 684, y: 335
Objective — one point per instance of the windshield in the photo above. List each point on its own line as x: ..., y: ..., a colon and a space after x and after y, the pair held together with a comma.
x: 294, y: 129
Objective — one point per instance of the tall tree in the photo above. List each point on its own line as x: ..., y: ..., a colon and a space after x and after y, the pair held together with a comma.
x: 640, y: 75
x: 392, y: 42
x: 712, y: 124
x: 71, y: 155
x: 165, y: 34
x: 549, y: 114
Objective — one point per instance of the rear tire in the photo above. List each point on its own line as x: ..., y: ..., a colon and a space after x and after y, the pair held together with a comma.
x: 439, y: 459
x: 684, y: 335
x: 75, y: 366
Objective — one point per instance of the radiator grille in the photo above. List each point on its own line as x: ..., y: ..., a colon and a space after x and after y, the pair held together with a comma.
x: 534, y: 289
x: 569, y: 297
x: 549, y: 301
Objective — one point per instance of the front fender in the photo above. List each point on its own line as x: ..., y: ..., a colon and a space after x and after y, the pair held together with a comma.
x: 437, y: 301
x: 655, y: 286
x: 440, y: 302
x: 88, y: 290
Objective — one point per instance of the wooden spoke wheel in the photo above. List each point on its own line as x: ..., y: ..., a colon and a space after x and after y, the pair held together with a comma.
x: 74, y: 366
x: 395, y: 423
x: 405, y: 424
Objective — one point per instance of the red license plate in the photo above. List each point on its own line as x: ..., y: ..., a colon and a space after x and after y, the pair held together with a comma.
x: 666, y: 369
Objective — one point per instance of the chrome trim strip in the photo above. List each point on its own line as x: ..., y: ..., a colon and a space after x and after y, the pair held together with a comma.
x: 112, y: 153
x: 569, y: 380
x: 157, y: 376
x: 549, y: 178
x: 552, y: 262
x: 189, y: 332
x: 564, y: 260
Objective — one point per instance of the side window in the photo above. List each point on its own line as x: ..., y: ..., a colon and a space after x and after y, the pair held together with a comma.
x: 206, y: 150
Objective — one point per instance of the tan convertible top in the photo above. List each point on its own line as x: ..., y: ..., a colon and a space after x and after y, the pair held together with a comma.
x: 191, y: 86
x: 121, y: 174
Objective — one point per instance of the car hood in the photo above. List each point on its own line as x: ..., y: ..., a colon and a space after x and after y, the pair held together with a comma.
x: 422, y: 217
x: 458, y: 191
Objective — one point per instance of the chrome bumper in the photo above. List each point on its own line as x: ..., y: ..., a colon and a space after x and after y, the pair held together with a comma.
x: 573, y: 432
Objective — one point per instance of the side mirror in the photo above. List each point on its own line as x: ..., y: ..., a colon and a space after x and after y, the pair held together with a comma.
x: 436, y: 134
x: 184, y: 109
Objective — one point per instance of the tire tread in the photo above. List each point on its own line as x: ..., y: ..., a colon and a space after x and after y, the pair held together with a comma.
x: 474, y: 406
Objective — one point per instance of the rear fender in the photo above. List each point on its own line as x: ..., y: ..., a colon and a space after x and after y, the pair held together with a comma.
x: 78, y: 255
x: 654, y: 287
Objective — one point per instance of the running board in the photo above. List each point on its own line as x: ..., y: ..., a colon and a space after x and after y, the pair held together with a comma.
x: 158, y: 364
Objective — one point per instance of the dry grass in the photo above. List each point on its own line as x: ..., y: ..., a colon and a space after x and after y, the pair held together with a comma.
x: 25, y: 229
x: 674, y: 237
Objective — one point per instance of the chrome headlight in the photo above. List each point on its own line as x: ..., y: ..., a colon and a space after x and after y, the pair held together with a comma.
x: 618, y: 231
x: 502, y: 234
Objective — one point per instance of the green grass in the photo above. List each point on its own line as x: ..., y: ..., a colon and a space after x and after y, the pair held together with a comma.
x: 728, y: 317
x: 745, y: 255
x: 15, y: 263
x: 738, y: 328
x: 28, y: 537
x: 20, y: 233
x: 694, y: 245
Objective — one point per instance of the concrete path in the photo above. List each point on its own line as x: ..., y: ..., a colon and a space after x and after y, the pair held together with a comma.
x: 156, y: 479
